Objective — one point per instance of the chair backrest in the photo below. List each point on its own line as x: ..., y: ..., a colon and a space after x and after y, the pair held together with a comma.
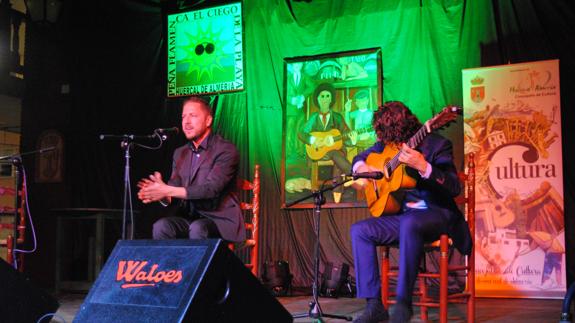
x: 7, y: 239
x: 252, y: 219
x: 467, y: 200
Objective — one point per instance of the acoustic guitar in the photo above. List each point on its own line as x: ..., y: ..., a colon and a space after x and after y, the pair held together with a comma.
x: 385, y: 196
x: 322, y: 144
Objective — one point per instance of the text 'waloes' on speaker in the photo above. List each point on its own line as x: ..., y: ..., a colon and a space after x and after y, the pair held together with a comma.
x: 178, y: 281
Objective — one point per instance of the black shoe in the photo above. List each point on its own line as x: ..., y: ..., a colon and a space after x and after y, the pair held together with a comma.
x: 373, y: 313
x: 401, y: 313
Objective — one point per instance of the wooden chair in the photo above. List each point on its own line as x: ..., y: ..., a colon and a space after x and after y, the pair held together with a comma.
x: 10, y: 242
x: 425, y: 301
x: 248, y: 251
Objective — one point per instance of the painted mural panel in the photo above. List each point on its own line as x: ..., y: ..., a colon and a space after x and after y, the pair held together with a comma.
x: 328, y: 108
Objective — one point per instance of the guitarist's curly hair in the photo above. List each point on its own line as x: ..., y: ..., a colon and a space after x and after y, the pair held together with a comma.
x: 394, y: 123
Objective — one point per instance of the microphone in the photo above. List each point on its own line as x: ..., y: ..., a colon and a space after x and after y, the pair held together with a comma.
x: 163, y: 132
x: 47, y: 149
x: 371, y: 175
x: 167, y: 130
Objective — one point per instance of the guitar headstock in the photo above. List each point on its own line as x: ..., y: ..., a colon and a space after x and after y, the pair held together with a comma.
x: 443, y: 118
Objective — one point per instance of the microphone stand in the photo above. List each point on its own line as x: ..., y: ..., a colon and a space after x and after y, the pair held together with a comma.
x: 127, y: 142
x: 315, y: 310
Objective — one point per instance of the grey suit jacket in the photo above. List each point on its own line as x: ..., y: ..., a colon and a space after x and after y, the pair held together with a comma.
x: 211, y: 184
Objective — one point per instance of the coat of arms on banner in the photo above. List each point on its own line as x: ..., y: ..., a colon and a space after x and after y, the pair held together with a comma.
x: 477, y: 90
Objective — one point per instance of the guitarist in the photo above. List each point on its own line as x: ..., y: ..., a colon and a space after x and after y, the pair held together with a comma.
x: 324, y: 120
x: 428, y: 210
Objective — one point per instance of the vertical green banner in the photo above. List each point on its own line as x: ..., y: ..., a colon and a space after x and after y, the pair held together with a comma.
x: 205, y: 51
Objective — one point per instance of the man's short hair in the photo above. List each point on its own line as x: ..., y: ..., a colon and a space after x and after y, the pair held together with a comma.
x: 203, y: 101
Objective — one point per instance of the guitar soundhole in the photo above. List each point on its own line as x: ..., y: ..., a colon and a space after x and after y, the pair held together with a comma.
x: 388, y: 171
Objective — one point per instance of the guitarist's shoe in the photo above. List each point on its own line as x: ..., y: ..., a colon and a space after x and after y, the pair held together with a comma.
x: 401, y: 313
x: 374, y: 312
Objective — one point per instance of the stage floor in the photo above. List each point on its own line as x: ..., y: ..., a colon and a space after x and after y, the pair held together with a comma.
x: 488, y: 309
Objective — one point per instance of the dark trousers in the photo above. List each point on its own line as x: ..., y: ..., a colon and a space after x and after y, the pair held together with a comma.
x: 181, y: 228
x: 411, y: 230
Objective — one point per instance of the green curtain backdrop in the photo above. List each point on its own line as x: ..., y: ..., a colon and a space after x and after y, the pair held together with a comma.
x: 425, y: 44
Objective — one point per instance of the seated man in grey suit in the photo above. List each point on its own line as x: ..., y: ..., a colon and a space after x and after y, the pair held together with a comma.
x: 203, y: 179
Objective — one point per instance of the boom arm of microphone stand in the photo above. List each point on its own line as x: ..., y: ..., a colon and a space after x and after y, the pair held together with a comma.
x: 318, y: 192
x: 127, y: 141
x: 38, y: 151
x: 124, y: 137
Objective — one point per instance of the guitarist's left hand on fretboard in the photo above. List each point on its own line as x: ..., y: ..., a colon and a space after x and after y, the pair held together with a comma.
x: 413, y: 158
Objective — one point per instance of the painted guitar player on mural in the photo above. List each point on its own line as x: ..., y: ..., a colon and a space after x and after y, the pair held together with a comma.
x: 329, y: 103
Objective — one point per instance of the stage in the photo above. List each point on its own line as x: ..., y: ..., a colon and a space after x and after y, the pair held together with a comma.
x: 488, y: 309
x: 94, y: 107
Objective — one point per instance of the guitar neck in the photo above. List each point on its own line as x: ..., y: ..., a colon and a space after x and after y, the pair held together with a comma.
x: 413, y: 142
x: 418, y: 137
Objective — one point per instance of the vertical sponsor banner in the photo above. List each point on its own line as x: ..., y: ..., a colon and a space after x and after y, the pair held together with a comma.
x: 513, y: 125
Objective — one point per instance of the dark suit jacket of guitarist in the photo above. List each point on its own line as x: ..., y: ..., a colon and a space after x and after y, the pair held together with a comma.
x: 211, y: 184
x: 438, y: 191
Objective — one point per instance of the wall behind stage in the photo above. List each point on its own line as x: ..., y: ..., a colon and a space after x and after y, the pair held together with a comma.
x: 113, y: 60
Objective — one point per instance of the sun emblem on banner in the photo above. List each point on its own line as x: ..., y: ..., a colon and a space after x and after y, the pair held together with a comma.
x: 205, y: 50
x: 477, y: 90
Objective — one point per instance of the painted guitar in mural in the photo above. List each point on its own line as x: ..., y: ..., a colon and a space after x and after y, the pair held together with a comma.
x: 385, y: 196
x: 326, y: 141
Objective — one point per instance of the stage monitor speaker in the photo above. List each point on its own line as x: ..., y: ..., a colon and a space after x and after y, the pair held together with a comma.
x: 20, y: 301
x: 178, y: 281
